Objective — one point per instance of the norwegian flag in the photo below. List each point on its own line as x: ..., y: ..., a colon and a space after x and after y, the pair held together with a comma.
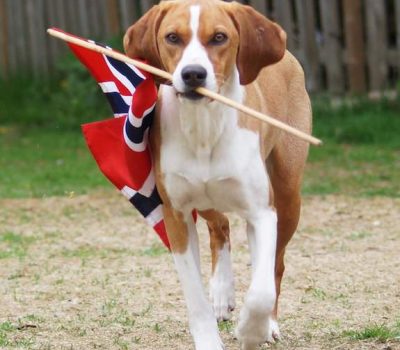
x: 120, y: 145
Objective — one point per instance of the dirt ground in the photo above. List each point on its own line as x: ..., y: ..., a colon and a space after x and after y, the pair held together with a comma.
x: 85, y: 272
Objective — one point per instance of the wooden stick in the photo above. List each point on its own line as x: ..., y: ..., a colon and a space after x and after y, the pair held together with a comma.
x: 203, y: 91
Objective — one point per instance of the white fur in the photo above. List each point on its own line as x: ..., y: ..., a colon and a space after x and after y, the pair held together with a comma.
x: 203, y: 324
x: 222, y: 285
x: 209, y: 162
x: 254, y: 327
x: 194, y: 53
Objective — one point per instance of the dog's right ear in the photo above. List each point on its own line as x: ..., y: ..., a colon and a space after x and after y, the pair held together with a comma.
x: 140, y: 40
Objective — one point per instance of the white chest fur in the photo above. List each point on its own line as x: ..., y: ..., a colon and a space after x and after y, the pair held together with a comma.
x: 207, y: 160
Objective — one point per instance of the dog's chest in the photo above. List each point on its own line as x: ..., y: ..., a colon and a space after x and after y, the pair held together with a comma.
x: 209, y: 165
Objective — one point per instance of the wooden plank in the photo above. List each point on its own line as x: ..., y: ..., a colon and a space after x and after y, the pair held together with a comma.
x: 83, y: 18
x: 114, y: 20
x: 55, y: 18
x: 332, y: 44
x: 377, y: 44
x: 72, y: 17
x: 3, y: 39
x: 260, y: 5
x: 307, y: 43
x: 146, y: 5
x: 93, y: 20
x: 397, y: 8
x: 13, y: 33
x: 37, y: 36
x: 355, y: 46
x: 103, y: 20
x: 129, y: 13
x: 124, y: 10
x: 20, y: 27
x: 284, y: 16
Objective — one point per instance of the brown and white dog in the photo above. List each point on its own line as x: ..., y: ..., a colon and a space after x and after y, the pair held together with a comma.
x: 211, y: 158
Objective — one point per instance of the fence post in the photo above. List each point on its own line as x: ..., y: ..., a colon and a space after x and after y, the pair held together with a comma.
x: 308, y: 43
x: 113, y: 17
x: 3, y: 39
x: 37, y: 37
x: 146, y: 5
x: 332, y: 45
x: 397, y: 4
x: 355, y: 46
x: 377, y: 44
x: 260, y: 6
x: 284, y: 16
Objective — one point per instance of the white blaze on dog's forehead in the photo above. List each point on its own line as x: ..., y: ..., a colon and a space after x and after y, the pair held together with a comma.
x: 194, y: 53
x: 194, y: 20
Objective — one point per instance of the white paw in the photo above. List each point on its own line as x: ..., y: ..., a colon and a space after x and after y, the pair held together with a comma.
x: 222, y: 296
x: 254, y: 322
x: 273, y: 333
x: 250, y: 331
x: 209, y: 343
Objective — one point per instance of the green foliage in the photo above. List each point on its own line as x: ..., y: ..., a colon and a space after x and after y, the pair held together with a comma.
x: 64, y: 100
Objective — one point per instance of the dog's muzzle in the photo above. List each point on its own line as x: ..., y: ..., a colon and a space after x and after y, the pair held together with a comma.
x: 193, y: 76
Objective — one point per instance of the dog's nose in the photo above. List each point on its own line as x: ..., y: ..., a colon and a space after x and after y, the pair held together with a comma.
x: 194, y: 75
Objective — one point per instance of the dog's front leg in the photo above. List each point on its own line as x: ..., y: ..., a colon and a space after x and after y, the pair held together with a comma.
x: 182, y: 234
x: 260, y: 298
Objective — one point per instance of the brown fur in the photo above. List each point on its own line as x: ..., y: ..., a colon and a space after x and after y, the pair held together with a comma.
x: 278, y: 91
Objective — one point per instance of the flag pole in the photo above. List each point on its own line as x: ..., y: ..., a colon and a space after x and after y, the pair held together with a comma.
x: 201, y: 90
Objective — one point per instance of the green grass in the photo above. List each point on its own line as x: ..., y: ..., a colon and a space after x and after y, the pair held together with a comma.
x: 361, y: 152
x: 154, y: 250
x: 44, y: 154
x: 7, y: 341
x: 45, y: 162
x: 380, y: 333
x: 13, y: 245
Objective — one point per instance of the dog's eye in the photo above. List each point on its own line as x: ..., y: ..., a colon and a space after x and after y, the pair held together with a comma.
x: 173, y: 38
x: 218, y: 39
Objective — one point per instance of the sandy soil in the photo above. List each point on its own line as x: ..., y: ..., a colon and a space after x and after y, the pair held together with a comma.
x: 86, y: 273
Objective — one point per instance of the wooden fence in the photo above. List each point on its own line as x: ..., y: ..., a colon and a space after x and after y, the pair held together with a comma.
x: 343, y: 45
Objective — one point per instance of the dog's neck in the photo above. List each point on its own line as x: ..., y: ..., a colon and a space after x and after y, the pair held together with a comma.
x: 203, y: 123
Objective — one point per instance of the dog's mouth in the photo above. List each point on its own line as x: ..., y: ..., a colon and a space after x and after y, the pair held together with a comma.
x: 190, y: 95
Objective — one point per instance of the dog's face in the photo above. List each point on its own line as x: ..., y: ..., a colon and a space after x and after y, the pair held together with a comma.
x: 202, y: 42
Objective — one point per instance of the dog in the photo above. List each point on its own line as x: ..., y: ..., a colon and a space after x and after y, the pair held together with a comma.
x: 212, y: 159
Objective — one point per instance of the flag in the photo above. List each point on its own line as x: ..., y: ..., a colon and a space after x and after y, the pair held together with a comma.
x: 120, y: 145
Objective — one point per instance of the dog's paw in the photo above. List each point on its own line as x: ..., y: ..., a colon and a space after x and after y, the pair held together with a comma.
x: 222, y: 296
x: 208, y: 343
x: 273, y: 332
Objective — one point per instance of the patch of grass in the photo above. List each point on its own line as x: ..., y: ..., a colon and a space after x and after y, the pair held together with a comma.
x: 7, y: 331
x: 86, y: 252
x: 355, y: 236
x: 44, y: 154
x: 157, y: 328
x: 13, y: 245
x: 154, y: 250
x: 360, y: 155
x: 40, y: 163
x: 226, y: 326
x: 380, y: 333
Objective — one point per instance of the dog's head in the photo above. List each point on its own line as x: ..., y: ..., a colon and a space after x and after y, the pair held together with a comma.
x: 201, y: 42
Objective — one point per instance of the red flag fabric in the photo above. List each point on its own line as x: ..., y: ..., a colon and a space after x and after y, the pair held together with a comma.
x: 120, y: 145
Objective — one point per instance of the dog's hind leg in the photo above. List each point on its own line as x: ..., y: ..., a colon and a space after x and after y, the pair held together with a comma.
x: 222, y: 286
x: 182, y: 235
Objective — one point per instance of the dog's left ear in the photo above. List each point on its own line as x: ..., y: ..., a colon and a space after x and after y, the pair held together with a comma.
x: 262, y: 42
x: 140, y: 40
